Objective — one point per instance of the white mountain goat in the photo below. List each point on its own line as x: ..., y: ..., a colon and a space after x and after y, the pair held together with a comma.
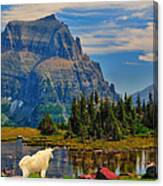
x: 37, y: 163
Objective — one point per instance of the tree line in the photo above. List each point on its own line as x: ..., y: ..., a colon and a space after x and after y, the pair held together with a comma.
x: 97, y: 118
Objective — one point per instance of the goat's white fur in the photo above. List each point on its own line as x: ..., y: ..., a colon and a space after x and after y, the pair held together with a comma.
x: 37, y: 163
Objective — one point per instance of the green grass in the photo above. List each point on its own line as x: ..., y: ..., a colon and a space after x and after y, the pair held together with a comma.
x: 68, y: 177
x: 130, y: 178
x: 33, y: 138
x: 34, y: 175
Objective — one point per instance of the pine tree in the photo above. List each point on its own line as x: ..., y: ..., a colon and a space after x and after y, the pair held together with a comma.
x: 122, y: 116
x: 128, y: 104
x: 102, y: 116
x: 149, y: 114
x: 92, y: 115
x: 150, y: 98
x: 106, y: 108
x: 96, y: 98
x: 46, y: 125
x: 83, y: 117
x: 98, y: 129
x: 125, y: 97
x: 100, y: 119
x: 75, y: 117
x: 129, y: 112
x: 113, y: 105
x: 105, y: 113
x: 144, y: 107
x: 114, y: 129
x: 135, y: 120
x: 138, y: 106
x: 91, y: 109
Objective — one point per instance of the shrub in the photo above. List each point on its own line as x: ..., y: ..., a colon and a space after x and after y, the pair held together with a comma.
x: 140, y: 129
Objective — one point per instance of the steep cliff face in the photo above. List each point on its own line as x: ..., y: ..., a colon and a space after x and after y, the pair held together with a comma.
x: 46, y: 37
x: 43, y: 64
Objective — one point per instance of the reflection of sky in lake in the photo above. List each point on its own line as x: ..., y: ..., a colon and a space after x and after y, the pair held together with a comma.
x: 74, y: 163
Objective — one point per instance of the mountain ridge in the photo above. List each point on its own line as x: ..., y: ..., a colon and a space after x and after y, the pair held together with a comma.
x: 34, y: 36
x: 144, y: 94
x: 42, y: 64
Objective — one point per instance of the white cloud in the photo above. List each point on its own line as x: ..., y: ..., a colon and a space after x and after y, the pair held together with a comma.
x: 149, y: 57
x: 139, y: 14
x: 126, y: 39
x: 135, y: 14
x: 82, y: 14
x: 34, y: 11
x: 123, y: 18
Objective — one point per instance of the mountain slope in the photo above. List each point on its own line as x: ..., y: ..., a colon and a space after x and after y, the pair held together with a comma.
x: 43, y: 68
x: 46, y: 37
x: 144, y: 94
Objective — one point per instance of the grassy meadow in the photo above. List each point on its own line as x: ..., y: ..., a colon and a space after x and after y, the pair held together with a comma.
x: 33, y: 137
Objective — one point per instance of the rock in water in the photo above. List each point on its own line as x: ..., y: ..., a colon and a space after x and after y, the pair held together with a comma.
x: 43, y: 66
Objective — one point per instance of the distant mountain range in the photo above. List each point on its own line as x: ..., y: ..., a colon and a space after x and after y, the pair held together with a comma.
x: 43, y: 69
x: 144, y: 94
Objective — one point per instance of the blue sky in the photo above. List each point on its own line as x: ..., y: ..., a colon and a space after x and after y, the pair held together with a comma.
x: 117, y: 35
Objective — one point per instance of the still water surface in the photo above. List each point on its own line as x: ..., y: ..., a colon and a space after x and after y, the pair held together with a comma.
x: 75, y: 163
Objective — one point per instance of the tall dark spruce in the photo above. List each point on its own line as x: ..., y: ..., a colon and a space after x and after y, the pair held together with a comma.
x: 109, y: 120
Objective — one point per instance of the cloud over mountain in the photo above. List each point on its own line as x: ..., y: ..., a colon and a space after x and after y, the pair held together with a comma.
x: 95, y: 38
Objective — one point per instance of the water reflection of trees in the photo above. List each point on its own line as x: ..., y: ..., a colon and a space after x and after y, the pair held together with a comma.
x: 68, y: 163
x: 120, y: 162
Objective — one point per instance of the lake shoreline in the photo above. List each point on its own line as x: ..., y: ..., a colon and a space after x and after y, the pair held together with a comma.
x: 32, y: 137
x: 85, y: 157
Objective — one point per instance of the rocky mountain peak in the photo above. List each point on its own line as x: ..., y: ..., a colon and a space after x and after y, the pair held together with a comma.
x: 46, y: 37
x: 48, y: 18
x: 43, y: 69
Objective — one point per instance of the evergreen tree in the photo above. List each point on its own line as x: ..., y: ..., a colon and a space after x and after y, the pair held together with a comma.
x: 113, y: 105
x: 149, y: 114
x: 83, y: 117
x: 98, y: 128
x: 138, y: 107
x: 105, y: 108
x: 135, y: 121
x: 92, y: 115
x: 102, y: 116
x: 96, y: 98
x: 99, y: 119
x: 114, y: 129
x: 46, y: 125
x: 129, y: 109
x: 128, y: 104
x: 125, y: 97
x: 105, y: 114
x: 122, y: 116
x: 75, y: 117
x: 144, y: 107
x: 150, y: 98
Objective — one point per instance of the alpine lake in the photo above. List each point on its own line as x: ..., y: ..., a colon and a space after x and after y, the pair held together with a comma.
x: 71, y: 161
